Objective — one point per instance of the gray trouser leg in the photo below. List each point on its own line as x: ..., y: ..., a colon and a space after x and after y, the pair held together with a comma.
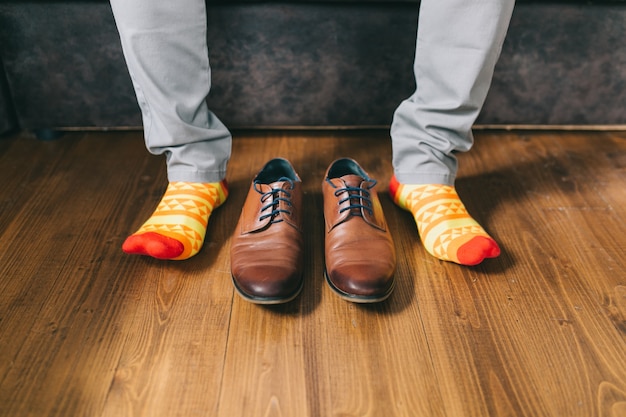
x: 458, y: 45
x: 165, y: 47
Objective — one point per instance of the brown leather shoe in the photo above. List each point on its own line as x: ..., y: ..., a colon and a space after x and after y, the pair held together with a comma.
x: 359, y: 250
x: 266, y: 251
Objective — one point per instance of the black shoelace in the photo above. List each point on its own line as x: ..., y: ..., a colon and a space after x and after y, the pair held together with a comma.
x: 273, y: 198
x: 358, y: 197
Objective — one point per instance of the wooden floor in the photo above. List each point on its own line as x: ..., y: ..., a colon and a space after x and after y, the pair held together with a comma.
x: 86, y: 330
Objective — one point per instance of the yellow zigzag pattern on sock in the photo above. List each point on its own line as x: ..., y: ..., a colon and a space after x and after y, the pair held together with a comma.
x: 183, y: 213
x: 442, y: 219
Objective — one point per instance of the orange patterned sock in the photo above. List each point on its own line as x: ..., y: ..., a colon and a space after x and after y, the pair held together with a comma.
x: 447, y: 231
x: 177, y: 227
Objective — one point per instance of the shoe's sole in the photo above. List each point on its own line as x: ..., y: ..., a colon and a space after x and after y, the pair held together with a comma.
x: 267, y: 300
x: 355, y: 298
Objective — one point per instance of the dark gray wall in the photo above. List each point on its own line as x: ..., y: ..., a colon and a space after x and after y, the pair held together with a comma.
x: 328, y: 63
x: 7, y: 118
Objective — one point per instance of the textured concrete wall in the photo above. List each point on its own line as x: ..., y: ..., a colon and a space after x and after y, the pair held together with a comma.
x: 315, y: 64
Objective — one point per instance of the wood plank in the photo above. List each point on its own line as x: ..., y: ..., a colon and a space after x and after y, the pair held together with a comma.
x: 87, y: 330
x: 66, y: 287
x: 542, y: 233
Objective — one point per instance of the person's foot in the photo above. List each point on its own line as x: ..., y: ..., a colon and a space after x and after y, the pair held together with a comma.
x: 177, y: 228
x: 446, y: 229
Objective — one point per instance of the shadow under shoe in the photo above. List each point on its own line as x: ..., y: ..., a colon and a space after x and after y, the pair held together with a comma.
x: 267, y: 245
x: 359, y: 251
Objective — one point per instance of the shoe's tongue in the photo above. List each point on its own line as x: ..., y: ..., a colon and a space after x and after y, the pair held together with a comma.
x: 356, y: 181
x: 272, y: 186
x: 272, y: 197
x: 352, y: 180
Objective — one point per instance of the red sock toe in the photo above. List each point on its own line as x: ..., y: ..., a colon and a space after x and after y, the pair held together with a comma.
x: 477, y: 249
x: 153, y: 244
